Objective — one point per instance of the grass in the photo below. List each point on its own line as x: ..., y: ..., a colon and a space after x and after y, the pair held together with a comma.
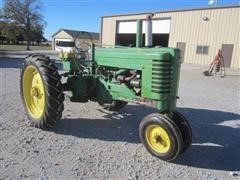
x: 23, y: 48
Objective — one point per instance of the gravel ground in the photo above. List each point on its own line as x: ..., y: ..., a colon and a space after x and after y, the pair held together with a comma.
x: 91, y: 143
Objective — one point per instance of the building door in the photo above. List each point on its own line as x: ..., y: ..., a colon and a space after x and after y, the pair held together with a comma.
x: 227, y: 50
x: 182, y: 47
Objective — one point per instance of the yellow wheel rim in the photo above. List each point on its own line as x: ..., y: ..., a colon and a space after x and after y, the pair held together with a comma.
x: 33, y: 92
x: 157, y: 138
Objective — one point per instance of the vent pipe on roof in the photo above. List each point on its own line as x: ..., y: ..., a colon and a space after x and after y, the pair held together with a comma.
x: 148, y: 33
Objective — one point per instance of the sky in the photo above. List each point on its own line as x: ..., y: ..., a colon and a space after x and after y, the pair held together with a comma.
x: 84, y: 15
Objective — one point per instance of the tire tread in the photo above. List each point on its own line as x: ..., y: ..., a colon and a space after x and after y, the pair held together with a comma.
x: 53, y: 90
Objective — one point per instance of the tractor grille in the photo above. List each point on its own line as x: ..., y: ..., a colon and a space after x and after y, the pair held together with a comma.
x: 161, y: 76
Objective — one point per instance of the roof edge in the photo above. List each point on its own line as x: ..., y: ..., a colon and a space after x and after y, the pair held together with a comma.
x: 57, y: 32
x: 175, y: 10
x: 63, y: 29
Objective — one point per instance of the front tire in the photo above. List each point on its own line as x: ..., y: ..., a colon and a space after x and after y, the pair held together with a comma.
x: 161, y: 136
x: 185, y: 129
x: 41, y: 91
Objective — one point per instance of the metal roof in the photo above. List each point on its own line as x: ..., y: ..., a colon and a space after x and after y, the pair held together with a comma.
x: 75, y: 33
x: 176, y: 10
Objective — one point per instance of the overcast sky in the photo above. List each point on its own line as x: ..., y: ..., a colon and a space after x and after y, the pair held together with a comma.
x: 85, y: 14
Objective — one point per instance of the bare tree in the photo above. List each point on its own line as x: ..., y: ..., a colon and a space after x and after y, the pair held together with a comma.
x: 25, y: 13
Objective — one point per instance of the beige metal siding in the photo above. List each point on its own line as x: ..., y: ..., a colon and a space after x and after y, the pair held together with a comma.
x: 223, y: 27
x: 62, y: 35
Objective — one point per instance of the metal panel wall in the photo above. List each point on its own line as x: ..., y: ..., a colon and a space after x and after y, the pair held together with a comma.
x: 206, y: 27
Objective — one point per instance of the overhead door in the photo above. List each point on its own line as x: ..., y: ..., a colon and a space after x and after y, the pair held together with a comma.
x: 159, y: 26
x: 56, y: 48
x: 126, y: 32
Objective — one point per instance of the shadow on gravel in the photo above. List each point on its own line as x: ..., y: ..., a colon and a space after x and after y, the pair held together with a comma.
x: 6, y: 62
x: 215, y: 145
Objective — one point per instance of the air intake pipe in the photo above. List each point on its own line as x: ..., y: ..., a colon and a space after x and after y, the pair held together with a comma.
x: 139, y: 34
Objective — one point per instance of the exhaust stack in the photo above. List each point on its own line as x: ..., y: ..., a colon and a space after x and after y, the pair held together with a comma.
x: 148, y: 33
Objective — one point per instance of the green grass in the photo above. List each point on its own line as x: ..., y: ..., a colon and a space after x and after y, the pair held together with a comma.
x: 23, y: 48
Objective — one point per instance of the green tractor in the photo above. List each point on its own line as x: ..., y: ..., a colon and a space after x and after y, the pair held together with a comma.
x: 112, y: 77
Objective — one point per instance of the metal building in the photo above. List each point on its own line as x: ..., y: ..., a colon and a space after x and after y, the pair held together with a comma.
x: 199, y: 33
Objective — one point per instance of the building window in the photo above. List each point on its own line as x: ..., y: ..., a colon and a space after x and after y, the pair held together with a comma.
x: 202, y: 50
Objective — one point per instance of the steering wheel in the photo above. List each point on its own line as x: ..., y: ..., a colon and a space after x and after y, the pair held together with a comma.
x: 81, y: 43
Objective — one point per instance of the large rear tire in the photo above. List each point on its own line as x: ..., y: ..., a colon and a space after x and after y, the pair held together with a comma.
x: 41, y: 91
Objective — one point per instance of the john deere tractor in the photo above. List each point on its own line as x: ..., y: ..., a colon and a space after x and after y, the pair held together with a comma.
x: 112, y: 76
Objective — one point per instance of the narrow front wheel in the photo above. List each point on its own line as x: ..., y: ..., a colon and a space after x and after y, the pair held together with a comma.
x: 185, y: 129
x: 161, y: 136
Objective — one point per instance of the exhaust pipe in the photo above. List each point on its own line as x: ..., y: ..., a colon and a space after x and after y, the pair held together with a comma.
x: 148, y: 33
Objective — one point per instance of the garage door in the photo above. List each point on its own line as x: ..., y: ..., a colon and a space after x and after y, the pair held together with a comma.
x: 126, y: 32
x: 56, y: 48
x: 159, y: 26
x: 128, y: 27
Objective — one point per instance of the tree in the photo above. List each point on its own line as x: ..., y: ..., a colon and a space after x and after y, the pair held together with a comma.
x: 37, y: 34
x: 11, y: 32
x: 2, y: 32
x: 25, y: 13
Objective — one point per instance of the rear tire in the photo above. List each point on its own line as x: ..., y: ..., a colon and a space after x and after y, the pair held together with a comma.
x: 161, y: 136
x: 116, y: 105
x: 44, y: 102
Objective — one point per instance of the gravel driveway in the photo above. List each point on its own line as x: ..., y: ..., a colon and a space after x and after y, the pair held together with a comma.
x: 91, y: 143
